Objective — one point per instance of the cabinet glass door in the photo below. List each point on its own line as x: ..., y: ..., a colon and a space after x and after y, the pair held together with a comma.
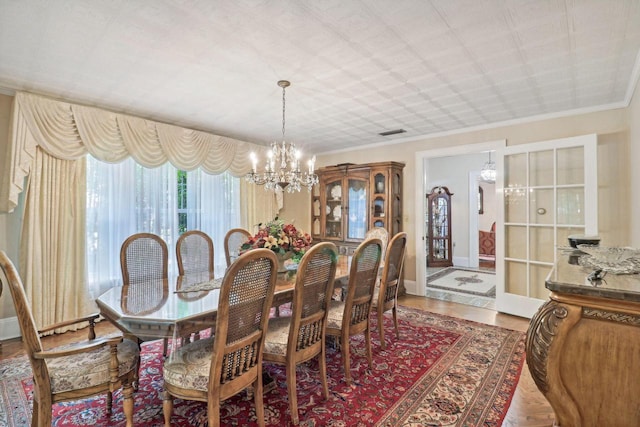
x: 357, y: 213
x: 333, y: 214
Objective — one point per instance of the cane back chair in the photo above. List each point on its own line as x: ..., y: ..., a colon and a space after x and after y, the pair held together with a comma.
x: 385, y: 297
x: 75, y: 371
x: 214, y: 369
x: 194, y: 252
x: 232, y: 242
x: 351, y: 316
x: 143, y: 260
x: 301, y: 337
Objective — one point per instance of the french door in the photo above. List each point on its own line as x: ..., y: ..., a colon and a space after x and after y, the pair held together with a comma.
x: 547, y: 191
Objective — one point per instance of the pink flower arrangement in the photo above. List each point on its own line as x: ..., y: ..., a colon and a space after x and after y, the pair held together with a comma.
x: 281, y: 238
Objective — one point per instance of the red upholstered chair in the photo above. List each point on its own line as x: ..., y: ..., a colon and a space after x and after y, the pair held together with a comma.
x: 487, y: 243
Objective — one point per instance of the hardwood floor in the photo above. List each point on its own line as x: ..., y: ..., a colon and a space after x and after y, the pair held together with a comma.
x: 528, y: 407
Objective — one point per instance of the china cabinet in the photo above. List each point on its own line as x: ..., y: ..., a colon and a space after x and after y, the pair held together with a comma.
x: 351, y: 198
x: 439, y: 248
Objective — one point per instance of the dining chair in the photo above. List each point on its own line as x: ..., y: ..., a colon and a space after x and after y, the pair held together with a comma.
x: 385, y: 297
x: 194, y: 252
x: 351, y: 316
x: 378, y: 233
x: 293, y: 340
x: 214, y: 369
x: 74, y: 371
x: 232, y: 242
x: 143, y: 260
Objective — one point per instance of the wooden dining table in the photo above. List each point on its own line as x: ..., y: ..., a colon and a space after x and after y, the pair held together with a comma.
x: 177, y: 307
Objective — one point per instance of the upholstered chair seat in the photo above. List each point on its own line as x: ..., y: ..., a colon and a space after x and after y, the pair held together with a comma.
x: 189, y: 365
x: 89, y: 369
x: 336, y: 311
x: 277, y: 335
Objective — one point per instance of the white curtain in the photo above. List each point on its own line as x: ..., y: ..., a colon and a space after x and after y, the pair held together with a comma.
x: 213, y: 206
x: 123, y: 199
x: 126, y: 198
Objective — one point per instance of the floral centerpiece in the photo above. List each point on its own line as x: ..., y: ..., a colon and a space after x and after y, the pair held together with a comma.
x: 282, y: 238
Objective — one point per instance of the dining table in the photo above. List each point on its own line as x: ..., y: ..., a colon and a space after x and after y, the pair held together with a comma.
x: 177, y: 307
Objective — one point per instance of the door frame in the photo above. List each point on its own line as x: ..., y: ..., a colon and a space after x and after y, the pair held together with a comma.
x: 421, y: 173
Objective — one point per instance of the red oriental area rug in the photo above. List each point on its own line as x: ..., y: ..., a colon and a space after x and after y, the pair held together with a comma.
x: 443, y: 371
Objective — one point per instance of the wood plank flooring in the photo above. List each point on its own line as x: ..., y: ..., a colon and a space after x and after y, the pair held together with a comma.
x: 528, y: 407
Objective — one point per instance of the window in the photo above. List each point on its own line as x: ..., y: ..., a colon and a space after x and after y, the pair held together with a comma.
x: 127, y: 198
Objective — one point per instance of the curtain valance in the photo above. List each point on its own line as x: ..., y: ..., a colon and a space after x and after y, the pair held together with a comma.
x: 69, y: 131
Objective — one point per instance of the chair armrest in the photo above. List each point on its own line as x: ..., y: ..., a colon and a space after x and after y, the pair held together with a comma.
x: 90, y: 318
x: 78, y: 349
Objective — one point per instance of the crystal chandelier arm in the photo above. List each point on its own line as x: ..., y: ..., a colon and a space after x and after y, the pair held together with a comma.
x: 287, y: 155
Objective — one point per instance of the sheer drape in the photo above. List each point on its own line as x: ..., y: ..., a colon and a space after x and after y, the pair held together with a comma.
x: 213, y: 206
x: 123, y: 199
x: 52, y: 250
x: 126, y: 198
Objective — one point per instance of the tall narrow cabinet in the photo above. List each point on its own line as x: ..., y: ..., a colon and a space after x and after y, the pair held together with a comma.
x: 351, y: 198
x: 439, y: 247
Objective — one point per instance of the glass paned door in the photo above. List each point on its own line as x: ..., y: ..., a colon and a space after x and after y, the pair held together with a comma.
x: 547, y: 195
x: 333, y: 210
x: 357, y: 214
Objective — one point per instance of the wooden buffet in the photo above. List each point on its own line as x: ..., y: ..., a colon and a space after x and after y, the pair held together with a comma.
x: 583, y: 347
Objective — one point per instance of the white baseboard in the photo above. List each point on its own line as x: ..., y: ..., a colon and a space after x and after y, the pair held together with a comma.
x: 411, y: 287
x: 9, y: 328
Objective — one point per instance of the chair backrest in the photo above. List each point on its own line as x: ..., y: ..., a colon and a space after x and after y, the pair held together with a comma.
x: 194, y: 252
x: 362, y: 280
x: 143, y: 257
x: 246, y: 295
x: 392, y: 270
x: 378, y: 233
x: 232, y: 242
x: 28, y: 328
x: 313, y: 289
x: 144, y: 297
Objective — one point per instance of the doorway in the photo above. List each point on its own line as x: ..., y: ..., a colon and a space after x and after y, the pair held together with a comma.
x: 462, y: 279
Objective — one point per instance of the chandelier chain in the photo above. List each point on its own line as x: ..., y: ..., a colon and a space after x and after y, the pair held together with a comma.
x: 283, y: 110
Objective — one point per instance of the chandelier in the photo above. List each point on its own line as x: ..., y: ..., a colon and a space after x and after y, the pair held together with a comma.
x: 488, y: 172
x: 276, y: 176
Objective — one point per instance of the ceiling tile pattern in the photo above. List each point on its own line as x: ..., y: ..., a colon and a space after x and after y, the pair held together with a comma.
x: 357, y: 67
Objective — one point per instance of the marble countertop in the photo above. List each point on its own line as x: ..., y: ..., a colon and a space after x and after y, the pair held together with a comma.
x: 568, y: 276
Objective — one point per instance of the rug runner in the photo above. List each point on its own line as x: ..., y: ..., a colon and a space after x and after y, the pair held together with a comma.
x: 443, y: 371
x: 463, y: 280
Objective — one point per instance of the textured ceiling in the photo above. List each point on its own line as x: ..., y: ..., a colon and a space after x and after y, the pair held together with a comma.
x: 357, y: 67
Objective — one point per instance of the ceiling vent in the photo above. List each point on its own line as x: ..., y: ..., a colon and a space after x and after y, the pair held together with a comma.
x: 392, y: 132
